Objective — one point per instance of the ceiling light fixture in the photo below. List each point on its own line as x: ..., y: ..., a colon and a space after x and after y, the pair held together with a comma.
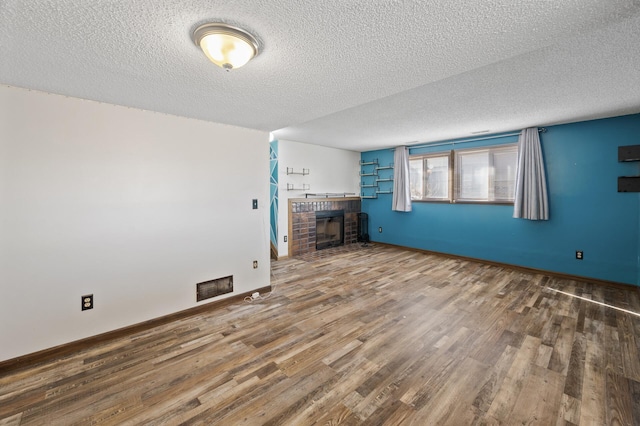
x: 226, y: 46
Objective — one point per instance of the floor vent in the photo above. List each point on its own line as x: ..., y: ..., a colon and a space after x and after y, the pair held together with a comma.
x: 213, y: 288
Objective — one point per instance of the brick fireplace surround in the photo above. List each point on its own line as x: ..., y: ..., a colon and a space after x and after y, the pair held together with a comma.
x: 302, y: 221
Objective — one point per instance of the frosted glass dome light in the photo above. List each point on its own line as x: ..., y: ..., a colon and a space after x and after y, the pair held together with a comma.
x: 226, y: 46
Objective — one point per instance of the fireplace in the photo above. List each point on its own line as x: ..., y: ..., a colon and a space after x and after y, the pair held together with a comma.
x: 302, y: 221
x: 329, y: 229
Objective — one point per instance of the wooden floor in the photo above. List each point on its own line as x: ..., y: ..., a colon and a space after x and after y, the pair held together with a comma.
x: 374, y: 335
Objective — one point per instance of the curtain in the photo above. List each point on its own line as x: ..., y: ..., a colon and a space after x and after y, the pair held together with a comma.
x: 531, y: 201
x: 401, y: 186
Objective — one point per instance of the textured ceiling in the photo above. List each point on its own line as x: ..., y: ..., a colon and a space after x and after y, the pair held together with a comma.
x: 354, y: 74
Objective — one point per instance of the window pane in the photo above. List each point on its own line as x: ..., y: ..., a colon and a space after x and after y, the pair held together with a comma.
x: 504, y: 169
x: 473, y: 175
x: 437, y: 177
x: 415, y: 178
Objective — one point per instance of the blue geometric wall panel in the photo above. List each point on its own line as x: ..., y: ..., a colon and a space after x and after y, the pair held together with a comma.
x: 273, y: 186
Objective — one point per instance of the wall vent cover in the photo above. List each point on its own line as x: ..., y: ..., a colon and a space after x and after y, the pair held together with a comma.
x: 208, y: 289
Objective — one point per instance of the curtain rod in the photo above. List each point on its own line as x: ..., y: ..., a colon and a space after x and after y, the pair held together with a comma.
x: 426, y: 145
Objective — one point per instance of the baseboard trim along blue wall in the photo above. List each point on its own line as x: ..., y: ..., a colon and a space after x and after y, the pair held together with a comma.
x: 587, y: 211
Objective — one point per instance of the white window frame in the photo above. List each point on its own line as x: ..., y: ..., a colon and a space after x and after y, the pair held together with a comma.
x: 423, y: 158
x: 491, y: 152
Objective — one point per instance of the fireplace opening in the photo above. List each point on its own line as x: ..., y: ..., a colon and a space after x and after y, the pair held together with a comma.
x: 329, y: 229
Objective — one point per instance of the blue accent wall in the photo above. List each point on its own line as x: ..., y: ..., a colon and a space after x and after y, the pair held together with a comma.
x: 587, y: 212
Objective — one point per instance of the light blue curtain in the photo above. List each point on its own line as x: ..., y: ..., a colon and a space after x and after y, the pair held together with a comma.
x: 401, y: 185
x: 531, y: 200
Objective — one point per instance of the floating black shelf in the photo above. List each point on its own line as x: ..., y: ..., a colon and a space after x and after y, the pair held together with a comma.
x: 626, y: 154
x: 629, y: 184
x: 629, y: 153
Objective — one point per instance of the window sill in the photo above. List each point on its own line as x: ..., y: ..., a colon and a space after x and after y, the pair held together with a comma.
x: 500, y: 203
x: 497, y: 203
x: 432, y: 201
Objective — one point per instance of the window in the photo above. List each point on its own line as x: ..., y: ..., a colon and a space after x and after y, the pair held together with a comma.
x: 478, y: 175
x: 430, y: 177
x: 486, y: 175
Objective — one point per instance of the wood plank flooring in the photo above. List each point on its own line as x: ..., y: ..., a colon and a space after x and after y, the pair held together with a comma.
x: 361, y: 335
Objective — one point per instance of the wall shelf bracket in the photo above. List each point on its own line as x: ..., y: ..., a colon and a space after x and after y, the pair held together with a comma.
x: 291, y: 187
x: 291, y: 171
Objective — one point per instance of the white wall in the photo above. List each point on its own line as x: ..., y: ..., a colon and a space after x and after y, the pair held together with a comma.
x: 331, y: 170
x: 132, y: 206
